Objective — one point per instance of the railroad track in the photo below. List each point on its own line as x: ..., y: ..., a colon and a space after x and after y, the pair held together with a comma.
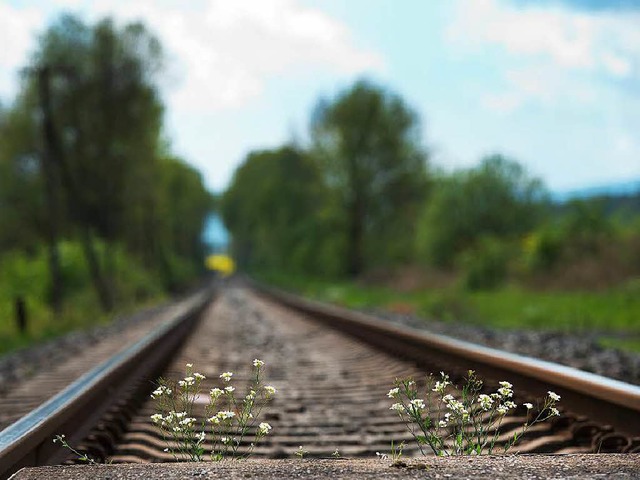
x: 332, y: 369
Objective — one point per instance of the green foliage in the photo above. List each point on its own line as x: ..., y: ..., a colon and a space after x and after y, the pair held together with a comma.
x: 183, y: 204
x: 508, y: 307
x: 26, y: 275
x: 275, y: 210
x: 585, y: 226
x: 104, y: 163
x: 21, y: 197
x: 542, y: 249
x: 112, y: 155
x: 496, y: 199
x: 367, y: 143
x: 486, y: 265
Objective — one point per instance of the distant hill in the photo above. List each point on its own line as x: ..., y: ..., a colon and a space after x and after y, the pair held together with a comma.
x: 621, y: 198
x: 629, y: 188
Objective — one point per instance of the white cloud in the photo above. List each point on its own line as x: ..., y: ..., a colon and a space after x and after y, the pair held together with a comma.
x: 17, y: 29
x: 222, y: 53
x: 608, y: 41
x: 541, y: 83
x: 228, y: 50
x: 557, y: 53
x: 503, y: 103
x: 616, y: 65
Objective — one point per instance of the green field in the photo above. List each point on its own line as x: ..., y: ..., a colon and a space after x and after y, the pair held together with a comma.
x: 613, y: 314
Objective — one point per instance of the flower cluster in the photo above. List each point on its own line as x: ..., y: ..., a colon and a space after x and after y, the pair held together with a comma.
x: 470, y: 421
x: 227, y: 419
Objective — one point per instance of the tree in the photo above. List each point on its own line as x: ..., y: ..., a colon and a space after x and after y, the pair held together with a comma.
x: 367, y: 142
x: 273, y: 209
x: 496, y: 199
x: 97, y: 155
x: 183, y: 206
x: 88, y: 123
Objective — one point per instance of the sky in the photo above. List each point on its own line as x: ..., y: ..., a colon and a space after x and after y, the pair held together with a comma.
x: 553, y: 84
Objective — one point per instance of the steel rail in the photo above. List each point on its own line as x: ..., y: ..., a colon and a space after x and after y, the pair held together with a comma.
x: 603, y: 399
x: 75, y: 410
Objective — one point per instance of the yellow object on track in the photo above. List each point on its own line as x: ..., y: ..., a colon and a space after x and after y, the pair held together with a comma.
x: 223, y: 264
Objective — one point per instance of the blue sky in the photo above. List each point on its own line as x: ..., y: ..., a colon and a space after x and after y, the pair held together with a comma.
x: 554, y: 84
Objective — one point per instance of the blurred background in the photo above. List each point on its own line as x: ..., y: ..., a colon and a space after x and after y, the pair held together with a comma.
x: 471, y: 161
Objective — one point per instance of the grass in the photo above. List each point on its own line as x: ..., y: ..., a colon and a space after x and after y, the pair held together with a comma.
x: 609, y: 314
x: 43, y: 326
x: 26, y: 275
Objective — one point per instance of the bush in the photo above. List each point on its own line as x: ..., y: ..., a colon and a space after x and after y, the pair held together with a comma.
x: 542, y: 250
x: 26, y: 275
x: 486, y: 265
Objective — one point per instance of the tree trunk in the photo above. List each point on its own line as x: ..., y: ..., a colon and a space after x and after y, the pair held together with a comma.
x: 51, y: 194
x: 355, y: 257
x: 75, y: 200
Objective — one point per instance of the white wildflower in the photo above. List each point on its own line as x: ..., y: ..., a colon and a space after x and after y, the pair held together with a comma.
x: 417, y: 404
x: 555, y: 412
x: 454, y: 405
x: 505, y: 392
x: 398, y: 407
x: 553, y: 396
x: 528, y: 406
x: 187, y: 422
x: 439, y: 387
x: 394, y: 392
x: 504, y: 384
x: 258, y: 363
x: 229, y: 389
x: 226, y: 376
x: 161, y: 390
x: 225, y: 414
x: 485, y: 402
x: 442, y: 424
x: 269, y: 390
x: 189, y: 365
x: 215, y: 393
x: 199, y: 376
x: 156, y: 418
x: 264, y: 428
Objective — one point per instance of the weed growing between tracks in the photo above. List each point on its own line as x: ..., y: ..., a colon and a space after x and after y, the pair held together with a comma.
x: 469, y: 425
x: 229, y: 419
x: 82, y: 457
